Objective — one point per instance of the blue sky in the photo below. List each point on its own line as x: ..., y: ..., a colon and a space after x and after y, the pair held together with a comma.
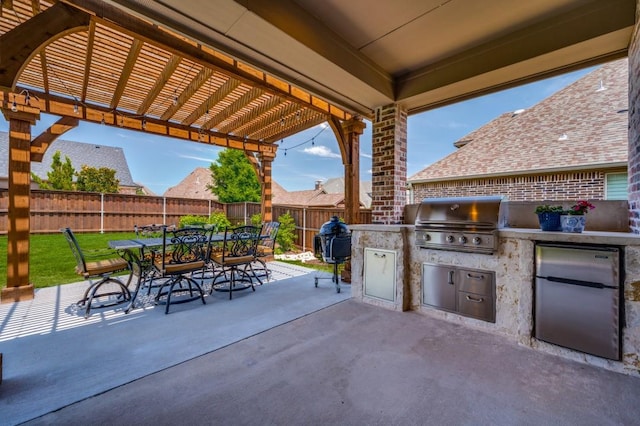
x: 160, y: 162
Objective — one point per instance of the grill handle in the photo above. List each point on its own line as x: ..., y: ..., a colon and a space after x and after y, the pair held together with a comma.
x: 450, y: 277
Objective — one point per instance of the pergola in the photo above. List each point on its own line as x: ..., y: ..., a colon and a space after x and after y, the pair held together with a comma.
x: 245, y: 74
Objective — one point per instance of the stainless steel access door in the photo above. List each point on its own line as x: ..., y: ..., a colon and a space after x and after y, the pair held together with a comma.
x: 577, y: 298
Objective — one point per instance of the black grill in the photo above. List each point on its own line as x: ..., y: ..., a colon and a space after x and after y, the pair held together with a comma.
x: 333, y: 245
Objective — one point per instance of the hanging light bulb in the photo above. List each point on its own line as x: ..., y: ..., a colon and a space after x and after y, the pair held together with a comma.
x: 121, y: 123
x: 102, y: 121
x: 298, y: 116
x: 75, y: 108
x: 282, y: 122
x: 144, y: 124
x: 313, y: 141
x: 175, y: 97
x: 14, y: 106
x: 27, y: 98
x: 285, y: 152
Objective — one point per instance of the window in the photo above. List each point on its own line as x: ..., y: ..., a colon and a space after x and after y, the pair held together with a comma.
x: 615, y: 186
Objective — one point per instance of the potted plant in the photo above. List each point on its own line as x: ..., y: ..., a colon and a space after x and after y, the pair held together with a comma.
x: 549, y: 217
x: 575, y: 219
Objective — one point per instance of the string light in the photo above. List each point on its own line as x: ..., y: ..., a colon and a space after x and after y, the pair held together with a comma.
x: 175, y: 97
x: 144, y: 124
x: 102, y: 121
x: 14, y: 105
x: 312, y: 140
x: 75, y: 108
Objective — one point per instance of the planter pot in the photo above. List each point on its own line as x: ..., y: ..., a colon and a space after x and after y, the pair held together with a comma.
x: 573, y: 223
x: 550, y: 221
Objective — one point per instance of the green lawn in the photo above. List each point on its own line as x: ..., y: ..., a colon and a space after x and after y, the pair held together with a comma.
x: 52, y: 263
x: 51, y: 260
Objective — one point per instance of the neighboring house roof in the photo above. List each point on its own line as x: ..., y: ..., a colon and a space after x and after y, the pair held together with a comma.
x: 336, y: 185
x: 79, y: 153
x: 308, y: 198
x: 193, y: 186
x: 579, y: 127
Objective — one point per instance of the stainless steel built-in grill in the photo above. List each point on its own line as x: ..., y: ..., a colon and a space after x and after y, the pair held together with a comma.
x: 466, y: 224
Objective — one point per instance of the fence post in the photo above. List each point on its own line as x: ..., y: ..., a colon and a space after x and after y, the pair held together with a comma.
x: 164, y: 210
x: 209, y: 208
x: 245, y: 212
x: 102, y: 212
x: 304, y: 229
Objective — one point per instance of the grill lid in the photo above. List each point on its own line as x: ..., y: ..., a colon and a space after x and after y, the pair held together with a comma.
x: 481, y: 213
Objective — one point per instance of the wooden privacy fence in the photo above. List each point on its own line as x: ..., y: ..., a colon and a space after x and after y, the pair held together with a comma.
x: 92, y: 212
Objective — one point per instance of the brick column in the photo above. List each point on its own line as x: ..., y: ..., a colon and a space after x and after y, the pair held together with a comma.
x: 634, y: 126
x: 389, y: 174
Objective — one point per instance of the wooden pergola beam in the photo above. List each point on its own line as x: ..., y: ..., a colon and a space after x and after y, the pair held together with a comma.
x: 22, y: 43
x: 188, y: 92
x: 42, y: 142
x: 236, y: 106
x: 132, y: 57
x: 168, y: 70
x: 115, y: 18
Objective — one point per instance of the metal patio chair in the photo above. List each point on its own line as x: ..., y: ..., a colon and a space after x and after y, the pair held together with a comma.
x: 230, y: 264
x: 265, y: 249
x: 184, y: 251
x: 99, y: 265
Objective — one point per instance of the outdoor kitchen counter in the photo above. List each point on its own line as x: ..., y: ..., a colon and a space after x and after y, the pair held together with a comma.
x: 514, y: 269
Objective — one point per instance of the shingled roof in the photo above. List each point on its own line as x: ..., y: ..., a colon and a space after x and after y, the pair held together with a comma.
x: 193, y: 186
x: 79, y: 153
x: 582, y: 126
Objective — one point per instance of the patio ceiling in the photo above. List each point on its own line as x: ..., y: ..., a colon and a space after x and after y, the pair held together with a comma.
x: 362, y: 54
x: 140, y: 76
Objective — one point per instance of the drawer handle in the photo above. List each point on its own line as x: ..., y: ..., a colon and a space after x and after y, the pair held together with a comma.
x: 471, y: 299
x: 451, y: 278
x: 476, y: 277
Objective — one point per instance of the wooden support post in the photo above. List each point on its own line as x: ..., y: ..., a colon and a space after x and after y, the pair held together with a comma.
x: 266, y: 160
x: 20, y: 121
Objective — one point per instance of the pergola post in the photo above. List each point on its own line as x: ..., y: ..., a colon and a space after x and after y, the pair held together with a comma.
x: 352, y: 130
x: 20, y: 121
x: 266, y: 160
x: 348, y: 135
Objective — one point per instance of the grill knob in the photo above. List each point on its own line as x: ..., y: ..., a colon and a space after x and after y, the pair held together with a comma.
x: 476, y: 240
x: 450, y: 238
x: 462, y: 239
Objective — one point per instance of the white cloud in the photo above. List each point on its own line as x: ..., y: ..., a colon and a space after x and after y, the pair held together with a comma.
x: 362, y: 154
x: 321, y: 151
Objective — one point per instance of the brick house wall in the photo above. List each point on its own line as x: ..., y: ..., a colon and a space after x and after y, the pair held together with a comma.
x: 634, y: 126
x: 570, y: 185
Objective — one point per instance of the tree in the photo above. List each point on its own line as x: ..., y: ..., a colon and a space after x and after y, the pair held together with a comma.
x: 103, y: 179
x: 234, y: 178
x: 60, y: 177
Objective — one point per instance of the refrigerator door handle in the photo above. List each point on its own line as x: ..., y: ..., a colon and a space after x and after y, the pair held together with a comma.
x: 576, y: 282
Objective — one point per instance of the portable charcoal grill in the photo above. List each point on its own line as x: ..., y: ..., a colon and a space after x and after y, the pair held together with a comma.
x: 468, y: 224
x: 333, y: 245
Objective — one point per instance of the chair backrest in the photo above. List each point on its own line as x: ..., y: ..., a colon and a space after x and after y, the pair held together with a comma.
x: 185, y: 245
x: 75, y: 249
x: 241, y: 241
x: 269, y: 234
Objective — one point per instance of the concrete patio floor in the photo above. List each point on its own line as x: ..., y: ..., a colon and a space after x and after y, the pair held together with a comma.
x: 262, y: 359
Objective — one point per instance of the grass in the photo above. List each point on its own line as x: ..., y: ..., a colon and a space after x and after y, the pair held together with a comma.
x: 52, y: 263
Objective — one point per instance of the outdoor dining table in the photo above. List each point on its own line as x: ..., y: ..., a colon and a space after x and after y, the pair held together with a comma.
x: 131, y: 250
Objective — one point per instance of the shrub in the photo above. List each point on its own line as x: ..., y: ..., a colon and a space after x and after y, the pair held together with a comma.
x: 219, y: 220
x: 286, y: 233
x: 256, y: 219
x: 192, y: 220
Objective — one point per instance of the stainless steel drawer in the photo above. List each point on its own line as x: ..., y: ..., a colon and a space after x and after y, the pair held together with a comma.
x: 476, y: 306
x: 474, y: 281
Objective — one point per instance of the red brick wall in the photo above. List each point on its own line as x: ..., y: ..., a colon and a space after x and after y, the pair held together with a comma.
x: 557, y: 186
x: 634, y: 127
x: 389, y: 168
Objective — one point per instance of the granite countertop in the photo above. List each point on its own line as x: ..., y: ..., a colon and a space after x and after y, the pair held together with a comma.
x: 593, y: 237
